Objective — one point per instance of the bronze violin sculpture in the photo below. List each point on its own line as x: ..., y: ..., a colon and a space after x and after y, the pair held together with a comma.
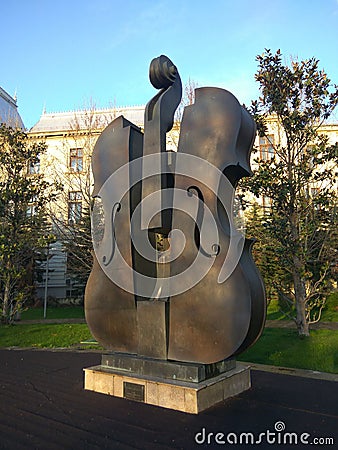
x: 173, y: 278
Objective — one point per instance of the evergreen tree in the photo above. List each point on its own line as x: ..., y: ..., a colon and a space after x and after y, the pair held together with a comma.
x: 24, y: 229
x: 299, y: 181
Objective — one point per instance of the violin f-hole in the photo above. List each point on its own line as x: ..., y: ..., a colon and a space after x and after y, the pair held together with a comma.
x: 116, y: 208
x: 198, y: 223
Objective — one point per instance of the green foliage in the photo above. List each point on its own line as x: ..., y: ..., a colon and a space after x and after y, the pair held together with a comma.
x: 274, y: 312
x: 330, y: 311
x: 78, y: 244
x: 299, y: 231
x: 280, y: 347
x: 23, y: 224
x: 299, y: 94
x: 265, y: 251
x: 63, y: 312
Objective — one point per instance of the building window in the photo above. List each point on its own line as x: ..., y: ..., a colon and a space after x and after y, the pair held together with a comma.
x: 32, y: 206
x: 266, y: 149
x: 310, y: 150
x: 266, y: 203
x: 315, y: 191
x: 34, y: 166
x: 76, y: 160
x: 74, y: 207
x: 31, y: 210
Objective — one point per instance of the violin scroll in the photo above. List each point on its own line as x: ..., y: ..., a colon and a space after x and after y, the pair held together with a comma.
x: 162, y: 72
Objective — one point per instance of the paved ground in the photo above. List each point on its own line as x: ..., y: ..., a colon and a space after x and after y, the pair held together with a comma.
x: 43, y: 406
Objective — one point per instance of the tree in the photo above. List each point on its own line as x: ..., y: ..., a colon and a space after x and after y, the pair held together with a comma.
x: 265, y: 251
x: 24, y: 229
x: 299, y: 180
x: 188, y: 98
x: 71, y: 215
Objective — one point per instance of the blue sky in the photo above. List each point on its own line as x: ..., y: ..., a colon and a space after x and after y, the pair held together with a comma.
x: 60, y: 54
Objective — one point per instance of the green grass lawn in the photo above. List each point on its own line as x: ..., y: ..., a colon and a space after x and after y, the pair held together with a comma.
x: 44, y: 335
x: 277, y: 346
x: 61, y: 312
x: 329, y: 313
x: 283, y: 347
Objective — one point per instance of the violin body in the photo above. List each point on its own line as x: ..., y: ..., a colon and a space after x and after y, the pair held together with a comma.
x: 110, y: 310
x: 140, y: 304
x: 212, y: 320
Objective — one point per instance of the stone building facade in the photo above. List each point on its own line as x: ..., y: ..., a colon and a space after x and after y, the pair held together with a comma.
x: 70, y: 138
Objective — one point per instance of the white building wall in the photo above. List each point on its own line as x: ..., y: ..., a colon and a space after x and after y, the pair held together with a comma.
x: 63, y: 131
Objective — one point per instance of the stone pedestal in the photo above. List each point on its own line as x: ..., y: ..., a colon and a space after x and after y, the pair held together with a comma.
x: 190, y: 388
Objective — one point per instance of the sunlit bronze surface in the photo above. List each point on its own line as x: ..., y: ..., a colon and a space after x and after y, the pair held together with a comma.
x: 213, y: 320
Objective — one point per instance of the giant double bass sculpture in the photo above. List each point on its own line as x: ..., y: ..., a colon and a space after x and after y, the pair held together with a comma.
x: 173, y: 279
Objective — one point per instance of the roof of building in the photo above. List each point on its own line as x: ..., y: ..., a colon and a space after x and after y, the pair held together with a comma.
x: 92, y: 119
x: 9, y: 110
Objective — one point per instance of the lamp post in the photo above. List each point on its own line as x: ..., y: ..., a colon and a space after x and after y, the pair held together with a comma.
x: 46, y: 286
